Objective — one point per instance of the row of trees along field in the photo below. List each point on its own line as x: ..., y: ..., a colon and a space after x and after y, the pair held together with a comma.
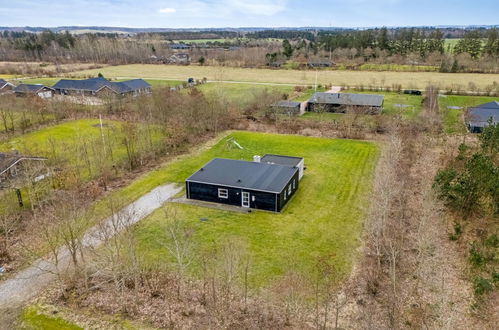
x: 476, y: 51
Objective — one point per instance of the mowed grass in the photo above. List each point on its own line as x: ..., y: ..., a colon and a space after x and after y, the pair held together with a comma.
x: 241, y: 93
x: 453, y: 119
x: 322, y: 221
x: 296, y: 77
x: 72, y: 141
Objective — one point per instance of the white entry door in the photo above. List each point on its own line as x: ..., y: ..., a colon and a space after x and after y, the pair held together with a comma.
x: 245, y: 199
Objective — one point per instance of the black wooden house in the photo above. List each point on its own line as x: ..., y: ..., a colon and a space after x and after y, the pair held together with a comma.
x: 257, y: 185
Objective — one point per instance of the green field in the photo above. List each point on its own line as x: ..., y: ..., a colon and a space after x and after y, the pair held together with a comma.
x: 324, y: 219
x: 453, y: 118
x: 73, y: 141
x: 241, y: 93
x: 296, y: 77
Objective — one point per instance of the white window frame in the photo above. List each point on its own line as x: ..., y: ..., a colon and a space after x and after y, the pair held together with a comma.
x: 289, y: 190
x: 223, y: 193
x: 294, y: 184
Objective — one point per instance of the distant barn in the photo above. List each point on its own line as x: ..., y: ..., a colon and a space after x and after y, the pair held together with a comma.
x: 41, y: 91
x: 320, y: 63
x: 344, y: 102
x: 102, y: 87
x: 261, y: 184
x: 482, y: 116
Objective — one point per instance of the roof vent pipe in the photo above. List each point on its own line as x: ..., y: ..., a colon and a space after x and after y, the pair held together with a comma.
x: 257, y: 159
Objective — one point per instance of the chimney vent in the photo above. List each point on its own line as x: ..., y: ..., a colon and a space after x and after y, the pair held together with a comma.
x: 257, y: 159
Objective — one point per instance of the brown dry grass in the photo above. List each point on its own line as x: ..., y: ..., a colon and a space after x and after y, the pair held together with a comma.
x: 340, y: 77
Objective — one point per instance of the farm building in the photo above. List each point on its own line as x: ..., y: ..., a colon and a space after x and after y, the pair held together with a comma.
x: 344, y: 102
x: 291, y: 108
x: 481, y: 116
x: 257, y: 184
x: 6, y: 86
x: 320, y: 64
x: 41, y: 91
x: 102, y: 87
x: 12, y: 165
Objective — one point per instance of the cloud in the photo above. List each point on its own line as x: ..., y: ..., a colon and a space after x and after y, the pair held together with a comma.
x: 258, y: 7
x: 167, y: 10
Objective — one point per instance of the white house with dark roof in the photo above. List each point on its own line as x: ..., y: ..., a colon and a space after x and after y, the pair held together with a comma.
x: 41, y: 91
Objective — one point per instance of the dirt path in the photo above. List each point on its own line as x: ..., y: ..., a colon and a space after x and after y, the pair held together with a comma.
x: 30, y: 282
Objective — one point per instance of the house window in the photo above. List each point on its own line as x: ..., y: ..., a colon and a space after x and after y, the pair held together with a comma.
x: 223, y: 193
x: 285, y: 195
x: 294, y: 184
x: 289, y: 190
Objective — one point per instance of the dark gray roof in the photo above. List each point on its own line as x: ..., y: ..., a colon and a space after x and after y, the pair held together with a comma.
x: 7, y: 160
x: 245, y: 175
x: 30, y: 88
x: 2, y: 83
x: 373, y: 100
x: 281, y: 160
x: 287, y: 104
x: 131, y: 85
x: 95, y: 84
x: 92, y: 84
x: 479, y: 116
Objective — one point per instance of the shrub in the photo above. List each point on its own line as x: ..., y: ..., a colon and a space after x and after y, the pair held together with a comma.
x: 482, y: 286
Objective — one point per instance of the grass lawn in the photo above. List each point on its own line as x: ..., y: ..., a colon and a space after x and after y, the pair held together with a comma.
x: 453, y: 118
x: 297, y: 77
x: 33, y: 319
x: 324, y: 219
x: 241, y: 93
x: 70, y: 141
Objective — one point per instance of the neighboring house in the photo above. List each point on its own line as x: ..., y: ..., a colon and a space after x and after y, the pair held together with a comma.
x: 179, y: 46
x: 291, y: 108
x: 41, y: 91
x: 13, y: 165
x: 101, y: 87
x: 320, y: 63
x: 344, y: 102
x: 481, y: 116
x: 6, y: 87
x: 180, y: 58
x: 259, y: 185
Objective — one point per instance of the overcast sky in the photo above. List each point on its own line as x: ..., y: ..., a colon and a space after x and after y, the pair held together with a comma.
x: 247, y: 13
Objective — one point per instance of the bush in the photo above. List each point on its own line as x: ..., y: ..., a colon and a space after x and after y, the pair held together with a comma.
x: 482, y: 286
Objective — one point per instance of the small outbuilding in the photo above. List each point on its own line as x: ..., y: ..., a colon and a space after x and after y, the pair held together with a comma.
x: 291, y: 108
x: 13, y: 165
x: 482, y: 116
x: 41, y: 91
x: 249, y: 184
x: 346, y: 102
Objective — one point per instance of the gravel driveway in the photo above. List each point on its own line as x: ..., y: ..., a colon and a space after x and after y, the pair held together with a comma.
x: 30, y: 282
